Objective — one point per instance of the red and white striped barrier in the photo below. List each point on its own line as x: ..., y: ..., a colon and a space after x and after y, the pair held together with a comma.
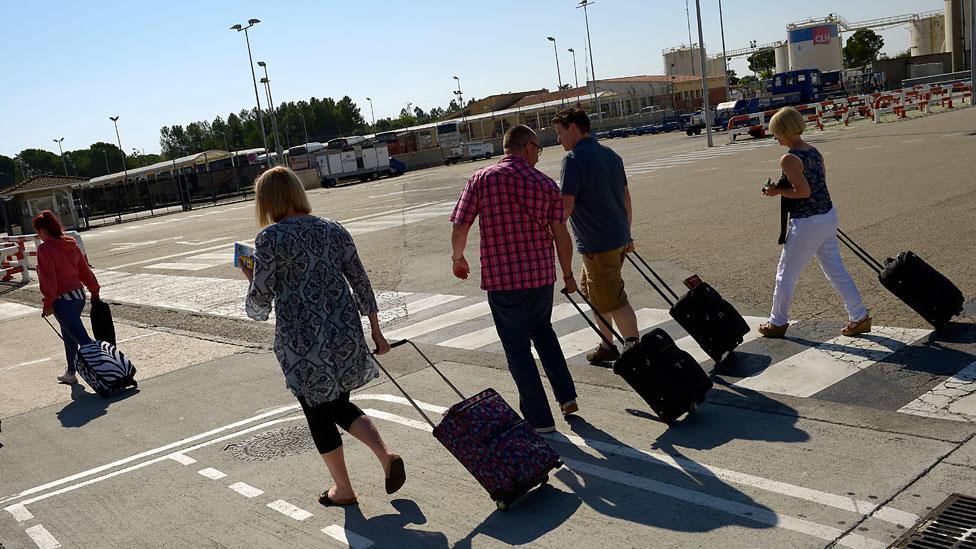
x: 28, y: 244
x: 13, y: 261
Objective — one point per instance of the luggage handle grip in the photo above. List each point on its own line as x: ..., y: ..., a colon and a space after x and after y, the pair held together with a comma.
x: 590, y: 321
x: 860, y: 252
x: 400, y: 387
x: 669, y: 300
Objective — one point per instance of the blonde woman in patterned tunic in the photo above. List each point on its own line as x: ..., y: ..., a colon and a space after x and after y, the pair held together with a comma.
x: 305, y: 267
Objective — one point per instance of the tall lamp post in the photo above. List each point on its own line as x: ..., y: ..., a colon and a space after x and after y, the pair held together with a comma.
x: 61, y: 152
x: 372, y: 113
x: 706, y: 114
x: 274, y: 115
x: 725, y: 60
x: 559, y: 75
x: 254, y: 79
x: 575, y: 75
x: 583, y: 4
x: 460, y: 97
x: 125, y: 170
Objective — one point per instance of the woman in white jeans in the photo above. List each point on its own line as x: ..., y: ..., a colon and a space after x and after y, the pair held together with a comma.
x: 812, y: 229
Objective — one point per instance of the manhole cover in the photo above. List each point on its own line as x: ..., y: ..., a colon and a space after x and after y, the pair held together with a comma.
x: 277, y: 443
x: 951, y: 525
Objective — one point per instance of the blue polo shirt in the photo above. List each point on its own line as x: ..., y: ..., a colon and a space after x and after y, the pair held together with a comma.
x: 594, y: 174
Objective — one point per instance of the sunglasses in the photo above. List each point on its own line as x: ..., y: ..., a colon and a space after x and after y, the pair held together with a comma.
x: 536, y: 145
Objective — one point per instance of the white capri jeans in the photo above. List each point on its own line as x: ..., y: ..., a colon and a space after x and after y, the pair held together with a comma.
x: 807, y: 237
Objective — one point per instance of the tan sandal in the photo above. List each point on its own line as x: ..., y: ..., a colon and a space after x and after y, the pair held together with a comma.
x: 771, y: 330
x: 858, y: 327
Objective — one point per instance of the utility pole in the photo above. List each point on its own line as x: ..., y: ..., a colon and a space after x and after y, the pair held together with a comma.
x: 701, y: 54
x: 691, y: 45
x: 725, y: 60
x: 583, y: 4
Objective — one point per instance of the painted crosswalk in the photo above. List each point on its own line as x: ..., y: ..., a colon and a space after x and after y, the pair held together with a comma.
x: 461, y: 322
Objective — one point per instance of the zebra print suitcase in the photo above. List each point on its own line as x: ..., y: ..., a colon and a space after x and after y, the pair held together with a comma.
x: 104, y: 368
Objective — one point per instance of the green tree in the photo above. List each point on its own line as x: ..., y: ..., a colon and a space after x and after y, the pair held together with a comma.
x: 763, y: 63
x: 39, y: 162
x: 862, y: 48
x: 733, y: 78
x: 9, y: 173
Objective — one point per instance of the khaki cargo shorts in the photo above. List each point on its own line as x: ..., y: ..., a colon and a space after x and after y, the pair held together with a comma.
x: 600, y: 280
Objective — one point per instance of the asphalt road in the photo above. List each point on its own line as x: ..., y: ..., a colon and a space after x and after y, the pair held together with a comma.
x: 805, y: 442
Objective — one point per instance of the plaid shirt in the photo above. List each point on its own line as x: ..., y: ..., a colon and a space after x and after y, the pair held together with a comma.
x: 516, y: 203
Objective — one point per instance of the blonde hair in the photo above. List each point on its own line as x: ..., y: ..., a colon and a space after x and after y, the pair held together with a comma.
x: 277, y: 191
x: 787, y: 123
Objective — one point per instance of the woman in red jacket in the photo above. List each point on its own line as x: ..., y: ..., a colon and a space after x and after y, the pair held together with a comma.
x: 64, y: 274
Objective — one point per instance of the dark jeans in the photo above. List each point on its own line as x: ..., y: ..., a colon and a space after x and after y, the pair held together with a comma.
x: 323, y: 418
x: 523, y: 317
x: 68, y: 314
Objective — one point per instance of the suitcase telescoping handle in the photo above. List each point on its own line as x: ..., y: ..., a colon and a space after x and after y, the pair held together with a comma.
x: 400, y: 387
x: 590, y: 321
x: 670, y: 300
x: 71, y: 335
x: 860, y: 252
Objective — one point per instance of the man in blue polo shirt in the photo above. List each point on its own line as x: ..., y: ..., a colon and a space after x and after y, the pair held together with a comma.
x: 597, y: 203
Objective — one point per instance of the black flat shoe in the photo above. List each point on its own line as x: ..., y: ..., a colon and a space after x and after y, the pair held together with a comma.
x: 325, y: 500
x: 397, y: 475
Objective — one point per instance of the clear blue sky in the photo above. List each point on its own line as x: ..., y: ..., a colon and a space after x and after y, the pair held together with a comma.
x: 68, y: 66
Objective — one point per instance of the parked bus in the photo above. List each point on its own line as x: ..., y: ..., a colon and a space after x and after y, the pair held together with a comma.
x: 449, y: 134
x: 299, y: 156
x: 342, y: 143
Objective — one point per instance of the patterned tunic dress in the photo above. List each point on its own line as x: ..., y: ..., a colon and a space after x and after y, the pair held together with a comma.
x: 305, y: 266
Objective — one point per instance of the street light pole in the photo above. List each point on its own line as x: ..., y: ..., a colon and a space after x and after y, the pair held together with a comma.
x: 575, y: 75
x: 460, y: 98
x: 372, y: 113
x: 691, y: 45
x: 583, y: 4
x: 274, y: 115
x: 61, y: 152
x: 559, y: 75
x: 701, y: 55
x: 125, y: 170
x: 254, y: 79
x: 725, y: 60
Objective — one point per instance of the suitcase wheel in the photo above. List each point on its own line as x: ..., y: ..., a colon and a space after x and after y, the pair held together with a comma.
x: 502, y: 505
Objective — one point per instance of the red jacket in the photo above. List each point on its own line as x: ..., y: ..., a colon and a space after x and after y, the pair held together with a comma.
x: 61, y: 268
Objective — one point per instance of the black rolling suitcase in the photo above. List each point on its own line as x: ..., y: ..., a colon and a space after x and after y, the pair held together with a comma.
x: 707, y: 317
x: 103, y: 328
x: 669, y: 379
x: 927, y: 291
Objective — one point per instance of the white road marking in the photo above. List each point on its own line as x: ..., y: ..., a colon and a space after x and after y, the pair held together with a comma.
x: 211, y: 473
x: 954, y: 398
x: 430, y: 302
x: 813, y: 370
x: 397, y: 193
x: 399, y: 400
x: 487, y: 336
x: 580, y: 341
x: 289, y: 510
x: 245, y: 490
x: 180, y: 266
x: 393, y: 418
x: 20, y: 513
x: 347, y: 537
x: 10, y: 310
x: 42, y: 538
x: 182, y: 459
x: 147, y: 453
x: 913, y: 140
x: 440, y: 322
x: 748, y: 512
x: 38, y: 361
x: 226, y: 245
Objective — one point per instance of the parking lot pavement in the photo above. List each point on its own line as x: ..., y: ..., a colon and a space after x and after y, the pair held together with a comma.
x: 251, y: 477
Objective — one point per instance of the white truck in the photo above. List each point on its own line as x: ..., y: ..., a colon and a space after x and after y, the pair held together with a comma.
x: 469, y: 151
x: 364, y: 162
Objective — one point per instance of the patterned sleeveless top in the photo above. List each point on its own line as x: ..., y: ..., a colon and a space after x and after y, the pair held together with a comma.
x: 819, y: 200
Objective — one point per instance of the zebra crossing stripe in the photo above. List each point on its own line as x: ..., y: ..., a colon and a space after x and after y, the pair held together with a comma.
x: 347, y: 537
x: 580, y: 341
x: 954, y: 398
x: 813, y: 370
x: 487, y: 336
x: 429, y: 302
x: 42, y: 538
x: 442, y: 321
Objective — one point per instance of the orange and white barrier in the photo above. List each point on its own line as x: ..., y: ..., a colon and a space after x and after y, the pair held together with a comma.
x: 28, y: 245
x: 13, y: 261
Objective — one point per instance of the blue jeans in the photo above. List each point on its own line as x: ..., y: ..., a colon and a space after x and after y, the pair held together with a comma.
x: 523, y: 317
x: 68, y: 313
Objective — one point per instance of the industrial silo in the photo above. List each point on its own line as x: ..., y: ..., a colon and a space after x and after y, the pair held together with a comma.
x: 816, y: 46
x: 782, y: 52
x: 928, y: 35
x: 682, y: 60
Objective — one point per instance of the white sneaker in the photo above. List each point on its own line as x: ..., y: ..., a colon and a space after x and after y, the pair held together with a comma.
x: 68, y: 379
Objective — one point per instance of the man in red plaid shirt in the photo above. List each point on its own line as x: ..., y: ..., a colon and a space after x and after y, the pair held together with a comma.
x: 521, y: 215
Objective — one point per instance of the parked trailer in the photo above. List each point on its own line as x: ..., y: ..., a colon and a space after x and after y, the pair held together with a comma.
x: 469, y: 151
x: 363, y: 163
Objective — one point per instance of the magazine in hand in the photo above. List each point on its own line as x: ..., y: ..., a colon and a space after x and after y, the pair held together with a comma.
x: 243, y: 255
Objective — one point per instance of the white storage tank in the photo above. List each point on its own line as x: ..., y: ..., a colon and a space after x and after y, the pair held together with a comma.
x: 816, y: 46
x: 688, y: 61
x: 782, y: 57
x: 928, y: 35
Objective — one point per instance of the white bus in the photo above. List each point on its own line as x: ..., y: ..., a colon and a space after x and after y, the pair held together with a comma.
x: 449, y: 134
x: 300, y: 156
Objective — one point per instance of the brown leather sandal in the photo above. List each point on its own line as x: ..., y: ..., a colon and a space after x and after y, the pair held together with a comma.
x: 858, y: 327
x: 768, y: 329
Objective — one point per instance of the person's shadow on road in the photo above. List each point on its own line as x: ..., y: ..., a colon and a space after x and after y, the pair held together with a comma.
x: 85, y: 407
x: 627, y: 484
x: 391, y: 530
x: 532, y: 516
